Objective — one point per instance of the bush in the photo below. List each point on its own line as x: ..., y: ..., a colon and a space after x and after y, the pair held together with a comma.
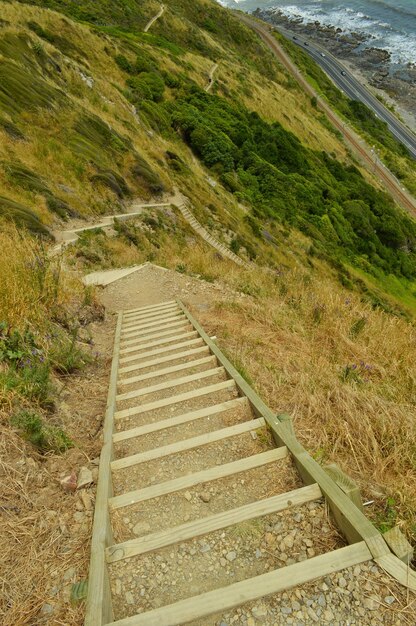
x: 147, y: 86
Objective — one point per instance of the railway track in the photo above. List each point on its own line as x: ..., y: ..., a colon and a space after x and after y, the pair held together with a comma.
x: 206, y: 501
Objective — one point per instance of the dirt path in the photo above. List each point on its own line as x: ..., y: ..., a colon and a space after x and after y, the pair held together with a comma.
x: 358, y: 145
x: 211, y: 77
x: 156, y: 17
x: 64, y: 237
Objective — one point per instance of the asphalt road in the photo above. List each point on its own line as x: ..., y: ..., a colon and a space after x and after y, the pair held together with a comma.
x: 353, y: 88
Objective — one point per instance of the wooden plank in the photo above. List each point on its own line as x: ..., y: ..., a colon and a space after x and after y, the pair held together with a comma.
x: 399, y: 545
x: 99, y: 607
x: 168, y: 370
x: 161, y: 539
x: 184, y: 482
x: 180, y: 397
x: 143, y: 317
x: 157, y: 342
x: 165, y: 359
x: 148, y: 307
x: 226, y: 598
x: 158, y: 330
x: 178, y: 346
x: 350, y: 520
x: 174, y: 382
x: 154, y: 323
x: 345, y: 483
x: 179, y: 419
x: 143, y: 322
x: 399, y: 570
x: 188, y: 444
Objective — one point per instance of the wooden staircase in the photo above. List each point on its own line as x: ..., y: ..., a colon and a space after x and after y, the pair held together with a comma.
x: 181, y: 419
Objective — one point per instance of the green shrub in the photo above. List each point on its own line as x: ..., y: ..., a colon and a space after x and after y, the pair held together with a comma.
x: 45, y: 437
x: 124, y: 64
x: 146, y: 86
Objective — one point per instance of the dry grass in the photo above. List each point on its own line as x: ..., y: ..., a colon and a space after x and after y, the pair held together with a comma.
x: 349, y: 384
x: 37, y: 546
x: 31, y: 285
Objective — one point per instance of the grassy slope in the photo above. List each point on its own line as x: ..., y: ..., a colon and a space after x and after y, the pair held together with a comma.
x: 298, y: 310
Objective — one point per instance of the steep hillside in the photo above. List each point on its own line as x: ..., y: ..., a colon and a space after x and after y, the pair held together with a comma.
x: 96, y: 117
x: 93, y: 116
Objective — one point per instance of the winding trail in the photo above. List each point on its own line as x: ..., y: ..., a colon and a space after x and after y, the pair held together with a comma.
x: 65, y: 237
x: 356, y: 143
x: 211, y: 77
x: 156, y: 17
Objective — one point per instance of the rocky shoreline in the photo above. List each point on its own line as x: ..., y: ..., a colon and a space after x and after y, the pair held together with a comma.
x: 395, y: 84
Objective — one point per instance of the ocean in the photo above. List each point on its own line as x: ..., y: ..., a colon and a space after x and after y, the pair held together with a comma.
x: 388, y: 24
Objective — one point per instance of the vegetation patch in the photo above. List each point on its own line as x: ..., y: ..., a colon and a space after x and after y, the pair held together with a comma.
x: 22, y: 216
x: 96, y: 141
x: 63, y: 44
x: 24, y: 90
x: 113, y: 181
x: 40, y: 434
x: 11, y: 129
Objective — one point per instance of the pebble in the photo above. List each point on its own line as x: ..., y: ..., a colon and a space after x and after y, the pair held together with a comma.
x: 370, y: 604
x: 205, y: 496
x: 141, y: 528
x: 129, y: 597
x: 389, y: 599
x: 187, y: 495
x: 85, y: 478
x: 46, y: 609
x: 231, y: 556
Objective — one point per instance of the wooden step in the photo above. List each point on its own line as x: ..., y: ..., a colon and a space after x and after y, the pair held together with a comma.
x: 150, y: 307
x: 158, y: 331
x: 177, y: 346
x: 138, y: 318
x: 154, y: 323
x: 226, y: 598
x: 182, y: 397
x: 169, y: 370
x: 184, y: 482
x: 204, y: 349
x: 209, y: 411
x: 188, y: 444
x: 174, y: 382
x: 161, y: 539
x: 139, y: 345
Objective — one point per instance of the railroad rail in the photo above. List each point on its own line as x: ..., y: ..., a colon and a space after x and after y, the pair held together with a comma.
x: 181, y: 418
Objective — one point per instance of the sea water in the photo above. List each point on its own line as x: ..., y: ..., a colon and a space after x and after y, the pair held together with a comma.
x: 388, y: 24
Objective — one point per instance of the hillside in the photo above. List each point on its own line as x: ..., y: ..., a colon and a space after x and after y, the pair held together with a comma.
x: 97, y: 117
x: 78, y: 144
